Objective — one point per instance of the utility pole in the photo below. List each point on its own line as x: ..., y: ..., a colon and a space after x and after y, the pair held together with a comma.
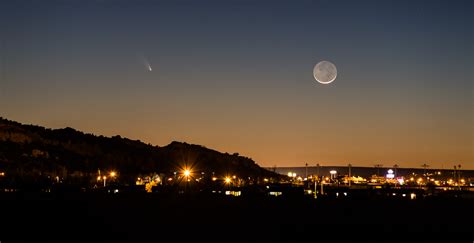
x: 317, y: 167
x: 306, y: 172
x: 395, y: 167
x: 350, y: 174
x: 459, y: 173
x: 378, y: 167
x: 424, y: 168
x: 457, y: 176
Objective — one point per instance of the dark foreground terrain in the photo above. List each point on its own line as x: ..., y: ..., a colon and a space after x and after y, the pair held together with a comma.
x: 134, y: 217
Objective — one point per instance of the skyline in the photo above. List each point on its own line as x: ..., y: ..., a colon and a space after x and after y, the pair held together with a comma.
x: 238, y: 77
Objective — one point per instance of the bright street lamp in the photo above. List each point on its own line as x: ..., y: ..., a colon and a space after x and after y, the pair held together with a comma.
x: 187, y: 173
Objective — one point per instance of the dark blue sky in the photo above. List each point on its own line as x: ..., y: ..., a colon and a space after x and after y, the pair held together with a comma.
x: 237, y: 75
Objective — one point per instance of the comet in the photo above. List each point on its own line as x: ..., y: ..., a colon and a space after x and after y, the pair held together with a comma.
x: 145, y: 62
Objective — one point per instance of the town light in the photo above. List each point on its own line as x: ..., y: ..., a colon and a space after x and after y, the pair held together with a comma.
x: 187, y: 173
x: 227, y: 180
x: 332, y: 172
x: 113, y: 174
x: 390, y: 174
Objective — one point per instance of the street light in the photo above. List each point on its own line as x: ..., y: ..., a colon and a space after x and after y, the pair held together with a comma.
x: 187, y: 173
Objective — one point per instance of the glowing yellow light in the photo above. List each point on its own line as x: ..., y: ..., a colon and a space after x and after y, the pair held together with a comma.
x: 187, y: 173
x: 227, y: 180
x: 113, y: 174
x: 265, y: 179
x: 2, y: 174
x: 105, y: 177
x: 290, y: 174
x: 98, y: 178
x: 214, y: 178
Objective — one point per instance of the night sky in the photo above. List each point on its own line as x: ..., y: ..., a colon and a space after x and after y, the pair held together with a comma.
x: 237, y: 76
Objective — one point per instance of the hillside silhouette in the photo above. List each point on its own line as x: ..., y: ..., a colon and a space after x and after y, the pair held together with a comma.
x: 29, y: 150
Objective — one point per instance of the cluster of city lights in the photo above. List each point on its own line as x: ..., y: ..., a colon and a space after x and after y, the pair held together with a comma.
x: 390, y: 178
x: 112, y: 175
x: 187, y: 175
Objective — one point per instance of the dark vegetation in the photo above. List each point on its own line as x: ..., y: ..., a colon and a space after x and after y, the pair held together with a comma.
x: 28, y: 151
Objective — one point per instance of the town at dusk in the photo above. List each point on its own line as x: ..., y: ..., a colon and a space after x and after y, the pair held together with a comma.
x: 236, y: 120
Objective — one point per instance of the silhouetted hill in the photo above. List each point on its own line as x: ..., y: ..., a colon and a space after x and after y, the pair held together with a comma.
x: 35, y: 150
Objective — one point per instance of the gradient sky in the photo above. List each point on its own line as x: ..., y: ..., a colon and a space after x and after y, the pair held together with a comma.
x: 236, y: 76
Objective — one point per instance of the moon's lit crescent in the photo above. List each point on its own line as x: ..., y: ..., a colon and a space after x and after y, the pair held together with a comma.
x: 325, y: 72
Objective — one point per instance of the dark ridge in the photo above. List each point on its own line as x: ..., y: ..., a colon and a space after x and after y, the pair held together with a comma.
x: 35, y: 150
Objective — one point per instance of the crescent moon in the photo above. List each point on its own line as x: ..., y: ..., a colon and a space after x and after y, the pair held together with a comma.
x: 325, y: 72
